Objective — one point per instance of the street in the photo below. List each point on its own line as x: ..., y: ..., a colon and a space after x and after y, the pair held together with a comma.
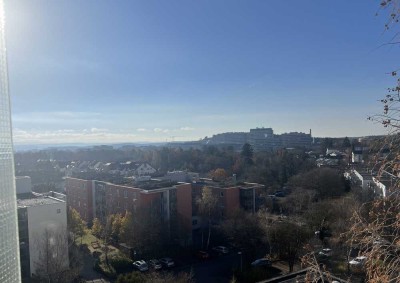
x: 214, y: 270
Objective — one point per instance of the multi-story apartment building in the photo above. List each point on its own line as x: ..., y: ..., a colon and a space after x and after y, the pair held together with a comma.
x: 97, y: 199
x: 43, y: 236
x: 169, y: 200
x: 9, y: 246
x: 262, y: 139
x: 231, y: 195
x: 80, y: 196
x: 295, y: 139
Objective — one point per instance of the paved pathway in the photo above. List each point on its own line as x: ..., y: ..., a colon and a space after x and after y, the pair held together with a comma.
x: 88, y: 272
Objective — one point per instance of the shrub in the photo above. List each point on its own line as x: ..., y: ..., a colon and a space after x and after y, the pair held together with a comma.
x: 121, y: 264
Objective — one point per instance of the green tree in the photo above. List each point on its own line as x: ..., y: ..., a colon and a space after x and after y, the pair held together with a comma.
x: 247, y: 153
x: 116, y: 227
x: 207, y: 204
x: 219, y: 174
x: 127, y: 229
x: 107, y: 234
x: 97, y: 228
x: 326, y: 144
x: 346, y: 143
x: 75, y: 223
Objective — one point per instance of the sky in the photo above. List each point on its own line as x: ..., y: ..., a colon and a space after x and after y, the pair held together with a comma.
x: 102, y: 71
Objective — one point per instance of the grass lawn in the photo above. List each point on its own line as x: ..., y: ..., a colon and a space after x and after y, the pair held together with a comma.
x: 88, y: 238
x: 95, y: 244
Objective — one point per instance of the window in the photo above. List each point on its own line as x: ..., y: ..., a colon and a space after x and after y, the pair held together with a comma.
x: 125, y: 194
x: 117, y: 193
x: 221, y: 194
x: 58, y: 210
x: 194, y: 222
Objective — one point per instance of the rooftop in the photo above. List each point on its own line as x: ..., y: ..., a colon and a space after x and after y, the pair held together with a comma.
x: 36, y: 201
x: 150, y: 184
x: 229, y: 183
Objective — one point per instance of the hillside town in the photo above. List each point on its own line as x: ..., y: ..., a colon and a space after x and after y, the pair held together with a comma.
x: 121, y: 213
x: 174, y: 141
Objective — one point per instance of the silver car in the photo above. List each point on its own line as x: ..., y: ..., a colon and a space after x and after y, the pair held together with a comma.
x: 357, y: 263
x: 167, y: 262
x: 141, y: 265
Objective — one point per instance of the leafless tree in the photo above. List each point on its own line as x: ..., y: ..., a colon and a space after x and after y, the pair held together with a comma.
x: 376, y: 225
x: 52, y: 263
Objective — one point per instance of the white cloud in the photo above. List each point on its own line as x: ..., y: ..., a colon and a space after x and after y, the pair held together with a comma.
x: 160, y: 130
x: 71, y: 136
x: 141, y: 130
x: 97, y: 130
x: 187, y: 129
x: 58, y: 117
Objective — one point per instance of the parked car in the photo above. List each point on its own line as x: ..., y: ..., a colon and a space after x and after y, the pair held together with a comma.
x: 380, y: 242
x: 167, y: 262
x: 325, y: 252
x: 261, y: 262
x: 155, y: 264
x: 280, y: 194
x: 202, y: 255
x: 357, y: 263
x: 221, y: 249
x: 141, y: 265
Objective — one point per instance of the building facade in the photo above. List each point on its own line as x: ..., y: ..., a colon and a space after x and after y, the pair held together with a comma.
x: 172, y: 202
x: 23, y: 184
x: 9, y: 246
x: 42, y: 221
x: 295, y: 139
x: 262, y: 139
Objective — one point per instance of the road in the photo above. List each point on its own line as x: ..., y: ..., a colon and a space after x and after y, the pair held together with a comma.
x: 214, y: 270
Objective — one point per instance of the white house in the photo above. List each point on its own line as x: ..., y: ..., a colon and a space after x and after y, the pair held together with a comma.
x: 143, y: 169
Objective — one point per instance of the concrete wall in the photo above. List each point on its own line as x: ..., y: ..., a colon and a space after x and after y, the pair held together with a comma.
x: 23, y: 184
x: 51, y: 218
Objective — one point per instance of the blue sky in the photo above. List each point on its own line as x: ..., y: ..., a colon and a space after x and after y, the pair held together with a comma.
x: 120, y: 71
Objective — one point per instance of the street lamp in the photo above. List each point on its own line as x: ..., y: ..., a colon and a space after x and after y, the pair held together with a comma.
x: 241, y: 261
